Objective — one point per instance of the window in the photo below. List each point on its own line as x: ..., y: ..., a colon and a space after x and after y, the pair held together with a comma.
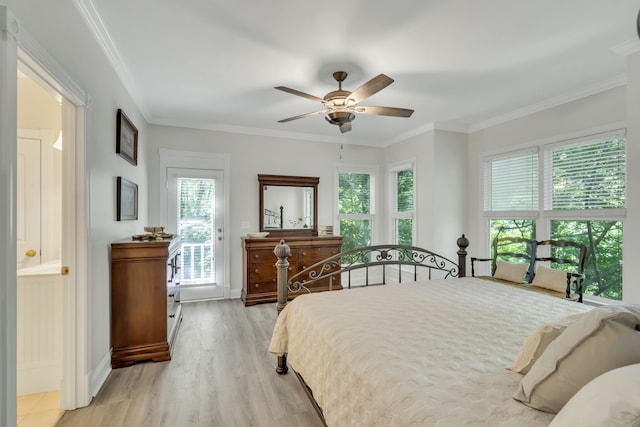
x: 402, y: 191
x: 583, y: 188
x: 196, y: 225
x: 356, y: 208
x: 511, y: 182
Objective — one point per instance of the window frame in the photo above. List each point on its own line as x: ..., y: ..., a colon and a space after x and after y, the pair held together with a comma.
x: 543, y: 217
x: 373, y: 171
x: 394, y: 215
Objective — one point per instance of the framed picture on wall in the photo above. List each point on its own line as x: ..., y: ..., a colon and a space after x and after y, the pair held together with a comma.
x: 127, y: 200
x: 126, y: 138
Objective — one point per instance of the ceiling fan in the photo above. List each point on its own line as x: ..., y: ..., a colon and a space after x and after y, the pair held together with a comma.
x: 341, y: 105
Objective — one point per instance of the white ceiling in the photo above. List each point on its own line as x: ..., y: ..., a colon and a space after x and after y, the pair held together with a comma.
x: 460, y: 64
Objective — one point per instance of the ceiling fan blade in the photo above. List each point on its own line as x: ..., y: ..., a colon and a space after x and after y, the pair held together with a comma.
x: 384, y: 111
x: 302, y: 116
x: 345, y: 127
x: 297, y: 92
x: 371, y: 87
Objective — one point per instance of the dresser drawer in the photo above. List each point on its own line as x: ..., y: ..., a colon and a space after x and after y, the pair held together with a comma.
x: 259, y: 272
x: 309, y: 256
x: 262, y: 256
x: 262, y: 285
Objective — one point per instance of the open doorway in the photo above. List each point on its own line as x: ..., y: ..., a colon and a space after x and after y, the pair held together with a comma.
x: 50, y: 241
x: 39, y: 338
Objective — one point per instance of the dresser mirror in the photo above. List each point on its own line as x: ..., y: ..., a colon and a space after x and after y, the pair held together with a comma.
x: 288, y: 204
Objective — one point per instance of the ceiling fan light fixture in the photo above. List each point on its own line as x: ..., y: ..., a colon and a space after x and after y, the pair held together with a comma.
x: 340, y: 117
x: 341, y: 105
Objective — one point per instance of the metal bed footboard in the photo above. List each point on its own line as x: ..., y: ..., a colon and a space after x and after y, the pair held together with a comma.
x: 378, y: 256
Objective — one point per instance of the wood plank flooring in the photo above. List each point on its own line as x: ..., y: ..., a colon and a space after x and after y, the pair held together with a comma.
x: 221, y: 374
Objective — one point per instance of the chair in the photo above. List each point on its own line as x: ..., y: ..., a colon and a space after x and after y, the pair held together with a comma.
x: 510, y: 249
x: 574, y: 256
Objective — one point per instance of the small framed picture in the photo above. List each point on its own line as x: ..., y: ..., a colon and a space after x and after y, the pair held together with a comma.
x: 127, y: 200
x: 126, y: 138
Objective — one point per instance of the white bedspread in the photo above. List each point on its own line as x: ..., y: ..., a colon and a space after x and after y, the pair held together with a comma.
x: 431, y: 353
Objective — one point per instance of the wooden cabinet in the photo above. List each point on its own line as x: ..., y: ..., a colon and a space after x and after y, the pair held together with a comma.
x: 258, y: 264
x: 145, y: 308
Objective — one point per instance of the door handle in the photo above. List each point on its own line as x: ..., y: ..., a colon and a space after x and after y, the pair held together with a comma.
x: 31, y: 253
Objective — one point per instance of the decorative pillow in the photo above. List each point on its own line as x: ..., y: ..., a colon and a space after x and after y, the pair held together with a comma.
x: 536, y: 343
x: 609, y: 400
x: 548, y: 278
x: 604, y: 339
x: 513, y: 272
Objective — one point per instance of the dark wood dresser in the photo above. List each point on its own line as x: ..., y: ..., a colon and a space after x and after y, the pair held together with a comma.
x: 145, y: 308
x: 258, y: 263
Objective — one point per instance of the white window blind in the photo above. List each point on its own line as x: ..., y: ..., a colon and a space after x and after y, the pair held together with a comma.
x: 586, y: 175
x: 354, y: 193
x: 404, y: 190
x: 196, y: 225
x: 511, y: 182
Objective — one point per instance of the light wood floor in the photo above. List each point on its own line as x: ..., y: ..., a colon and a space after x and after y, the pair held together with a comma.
x: 221, y: 374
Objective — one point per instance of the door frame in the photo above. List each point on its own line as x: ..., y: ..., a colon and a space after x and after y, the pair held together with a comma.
x: 17, y: 46
x: 203, y: 291
x: 197, y: 160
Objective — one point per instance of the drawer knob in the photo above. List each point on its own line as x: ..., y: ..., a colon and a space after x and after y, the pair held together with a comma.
x: 256, y: 271
x: 304, y: 253
x: 257, y: 285
x: 256, y: 256
x: 171, y: 295
x: 172, y: 316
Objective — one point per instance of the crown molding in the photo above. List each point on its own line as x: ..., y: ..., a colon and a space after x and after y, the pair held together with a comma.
x: 549, y: 103
x: 218, y: 127
x: 97, y: 27
x: 627, y: 48
x: 38, y: 60
x: 8, y: 22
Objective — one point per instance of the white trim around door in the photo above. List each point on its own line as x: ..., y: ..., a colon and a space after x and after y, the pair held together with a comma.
x: 198, y: 160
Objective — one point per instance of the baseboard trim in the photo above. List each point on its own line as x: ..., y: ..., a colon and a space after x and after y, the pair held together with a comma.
x: 100, y: 374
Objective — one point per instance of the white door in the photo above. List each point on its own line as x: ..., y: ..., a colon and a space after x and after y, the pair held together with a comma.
x: 28, y: 203
x: 196, y: 212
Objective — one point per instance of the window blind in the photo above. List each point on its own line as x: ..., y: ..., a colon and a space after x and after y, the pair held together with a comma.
x: 196, y: 224
x: 404, y: 180
x: 588, y: 175
x: 354, y: 193
x: 511, y: 182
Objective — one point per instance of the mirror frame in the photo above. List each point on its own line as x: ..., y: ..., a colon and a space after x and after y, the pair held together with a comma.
x: 289, y: 181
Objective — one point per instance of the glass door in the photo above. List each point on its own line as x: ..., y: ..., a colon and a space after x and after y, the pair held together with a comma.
x: 195, y: 213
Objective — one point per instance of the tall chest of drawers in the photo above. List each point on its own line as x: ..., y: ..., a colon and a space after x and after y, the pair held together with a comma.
x: 258, y: 264
x: 145, y: 308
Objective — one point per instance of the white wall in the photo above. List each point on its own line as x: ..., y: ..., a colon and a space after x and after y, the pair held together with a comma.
x: 441, y: 177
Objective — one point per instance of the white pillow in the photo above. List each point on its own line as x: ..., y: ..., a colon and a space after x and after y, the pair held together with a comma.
x: 612, y: 399
x: 536, y: 343
x: 605, y: 338
x: 548, y: 278
x: 513, y: 272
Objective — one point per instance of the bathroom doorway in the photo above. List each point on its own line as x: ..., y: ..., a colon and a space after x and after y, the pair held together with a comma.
x: 39, y: 281
x: 50, y: 241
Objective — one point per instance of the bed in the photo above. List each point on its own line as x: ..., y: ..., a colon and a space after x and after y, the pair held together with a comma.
x: 442, y: 349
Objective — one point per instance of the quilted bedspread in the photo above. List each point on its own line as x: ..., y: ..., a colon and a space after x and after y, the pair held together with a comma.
x: 431, y: 353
